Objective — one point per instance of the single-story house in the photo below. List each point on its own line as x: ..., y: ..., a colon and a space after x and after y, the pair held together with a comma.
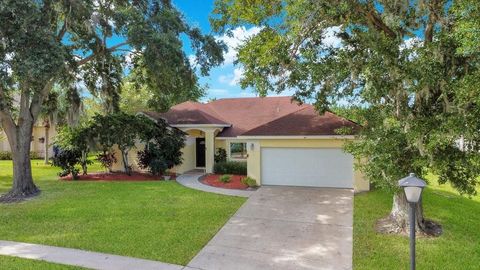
x: 38, y: 139
x: 282, y: 142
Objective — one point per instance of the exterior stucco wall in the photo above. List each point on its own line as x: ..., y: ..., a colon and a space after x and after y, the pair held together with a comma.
x: 254, y: 155
x: 132, y: 158
x: 220, y: 144
x: 36, y: 145
x: 188, y: 156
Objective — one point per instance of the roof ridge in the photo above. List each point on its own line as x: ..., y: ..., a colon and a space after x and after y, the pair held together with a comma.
x: 218, y: 115
x: 230, y: 98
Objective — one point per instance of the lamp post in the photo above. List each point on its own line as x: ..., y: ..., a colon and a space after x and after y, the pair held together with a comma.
x: 413, y: 187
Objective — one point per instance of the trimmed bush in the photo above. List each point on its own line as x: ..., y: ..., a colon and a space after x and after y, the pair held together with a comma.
x: 6, y: 155
x: 248, y: 181
x: 225, y: 178
x: 220, y: 155
x: 230, y: 167
x: 67, y: 159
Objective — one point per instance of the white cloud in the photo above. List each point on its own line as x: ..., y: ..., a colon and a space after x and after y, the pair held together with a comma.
x: 237, y: 76
x: 192, y: 60
x: 239, y: 35
x: 411, y: 43
x: 225, y: 78
x: 232, y: 79
x: 330, y: 38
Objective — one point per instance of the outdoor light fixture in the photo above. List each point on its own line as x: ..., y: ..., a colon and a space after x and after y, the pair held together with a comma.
x: 413, y: 187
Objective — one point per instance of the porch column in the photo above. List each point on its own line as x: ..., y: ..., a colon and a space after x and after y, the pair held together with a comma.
x: 209, y: 150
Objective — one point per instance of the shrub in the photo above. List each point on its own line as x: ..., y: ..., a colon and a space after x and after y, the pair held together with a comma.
x: 35, y: 155
x: 220, y: 155
x: 77, y: 138
x: 106, y: 160
x: 151, y: 158
x: 4, y: 155
x: 7, y: 155
x: 67, y: 159
x: 230, y: 167
x: 248, y: 181
x: 225, y: 178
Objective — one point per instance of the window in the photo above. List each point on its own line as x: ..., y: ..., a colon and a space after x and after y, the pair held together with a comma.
x: 238, y: 150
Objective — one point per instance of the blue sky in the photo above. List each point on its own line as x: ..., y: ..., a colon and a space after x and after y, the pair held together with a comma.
x: 223, y: 80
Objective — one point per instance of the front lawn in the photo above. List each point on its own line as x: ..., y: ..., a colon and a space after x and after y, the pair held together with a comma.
x: 155, y: 220
x: 13, y: 263
x: 457, y: 248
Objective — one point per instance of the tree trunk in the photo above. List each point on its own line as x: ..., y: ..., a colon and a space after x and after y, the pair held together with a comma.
x: 46, y: 142
x: 84, y: 162
x: 19, y: 138
x: 126, y: 166
x: 398, y: 220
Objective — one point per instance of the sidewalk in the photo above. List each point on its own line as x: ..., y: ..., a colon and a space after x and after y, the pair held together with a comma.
x: 76, y: 257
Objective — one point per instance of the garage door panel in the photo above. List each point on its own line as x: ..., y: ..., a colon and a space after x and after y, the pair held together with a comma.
x: 317, y: 167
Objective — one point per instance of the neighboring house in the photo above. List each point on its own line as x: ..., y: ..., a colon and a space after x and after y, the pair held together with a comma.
x: 38, y: 140
x: 283, y: 143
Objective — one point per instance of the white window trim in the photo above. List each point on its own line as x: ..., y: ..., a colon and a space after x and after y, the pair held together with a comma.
x: 229, y: 157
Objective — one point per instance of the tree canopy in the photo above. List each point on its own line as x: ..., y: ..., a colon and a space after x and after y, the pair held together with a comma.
x: 93, y: 43
x: 412, y: 66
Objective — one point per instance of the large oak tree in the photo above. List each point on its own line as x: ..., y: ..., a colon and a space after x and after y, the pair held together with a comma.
x: 44, y: 43
x: 411, y: 66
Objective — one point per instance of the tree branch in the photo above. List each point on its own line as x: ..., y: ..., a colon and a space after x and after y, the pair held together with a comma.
x: 6, y: 119
x: 38, y: 98
x: 63, y: 30
x: 432, y: 20
x: 373, y: 17
x: 93, y: 55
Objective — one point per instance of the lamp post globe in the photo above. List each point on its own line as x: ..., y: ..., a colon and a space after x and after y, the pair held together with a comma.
x: 413, y: 187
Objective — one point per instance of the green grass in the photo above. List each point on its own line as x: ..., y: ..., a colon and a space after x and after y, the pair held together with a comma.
x: 13, y: 263
x: 154, y: 220
x: 457, y: 248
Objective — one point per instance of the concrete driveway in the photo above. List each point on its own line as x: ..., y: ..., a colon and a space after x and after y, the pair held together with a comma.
x: 285, y: 228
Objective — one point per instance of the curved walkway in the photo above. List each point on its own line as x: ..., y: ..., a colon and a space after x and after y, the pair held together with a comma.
x: 82, y: 258
x: 190, y: 180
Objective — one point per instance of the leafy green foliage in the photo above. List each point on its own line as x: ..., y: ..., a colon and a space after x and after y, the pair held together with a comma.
x: 106, y: 159
x: 67, y: 159
x: 220, y: 155
x: 60, y: 44
x: 230, y: 167
x: 226, y: 178
x: 77, y: 139
x: 151, y: 158
x: 410, y: 68
x: 250, y: 182
x: 7, y: 155
x: 163, y: 150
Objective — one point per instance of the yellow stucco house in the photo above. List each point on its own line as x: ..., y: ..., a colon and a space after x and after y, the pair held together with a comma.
x: 282, y: 142
x: 39, y: 142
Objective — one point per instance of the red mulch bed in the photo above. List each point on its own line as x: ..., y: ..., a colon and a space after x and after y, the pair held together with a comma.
x: 117, y: 176
x: 214, y: 180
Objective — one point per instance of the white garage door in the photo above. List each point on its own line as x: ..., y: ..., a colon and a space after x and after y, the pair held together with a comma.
x: 311, y: 167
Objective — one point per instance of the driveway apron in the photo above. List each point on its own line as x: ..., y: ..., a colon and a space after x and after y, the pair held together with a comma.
x: 285, y: 228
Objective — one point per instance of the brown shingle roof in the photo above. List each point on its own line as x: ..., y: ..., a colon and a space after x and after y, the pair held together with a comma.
x: 256, y: 116
x: 247, y: 113
x: 305, y: 122
x: 189, y: 113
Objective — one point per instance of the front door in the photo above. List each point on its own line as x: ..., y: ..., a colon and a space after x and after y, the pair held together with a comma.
x: 200, y: 147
